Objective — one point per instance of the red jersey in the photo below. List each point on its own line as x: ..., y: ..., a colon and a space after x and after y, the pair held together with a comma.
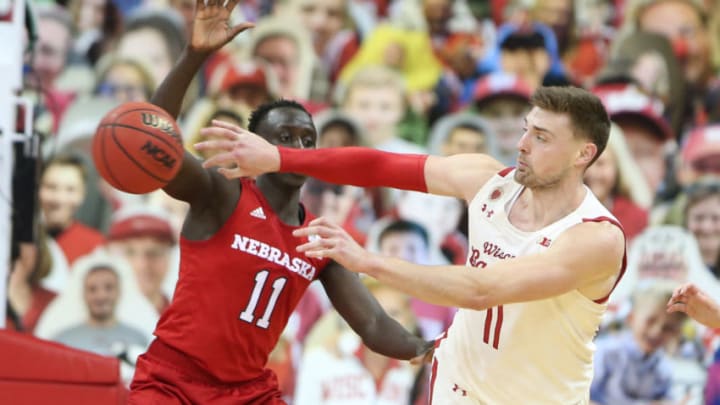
x: 236, y: 291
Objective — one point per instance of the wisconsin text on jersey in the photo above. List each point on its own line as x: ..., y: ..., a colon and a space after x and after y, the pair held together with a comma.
x: 489, y: 249
x: 274, y: 255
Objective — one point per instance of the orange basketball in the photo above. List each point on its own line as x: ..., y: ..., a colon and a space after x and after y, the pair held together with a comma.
x: 137, y: 148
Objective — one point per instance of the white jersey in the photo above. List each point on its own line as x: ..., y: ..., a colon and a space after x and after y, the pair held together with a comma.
x: 537, y: 352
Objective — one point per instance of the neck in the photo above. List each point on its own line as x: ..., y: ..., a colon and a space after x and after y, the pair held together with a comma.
x: 102, y: 322
x: 375, y: 363
x: 283, y: 199
x: 549, y: 204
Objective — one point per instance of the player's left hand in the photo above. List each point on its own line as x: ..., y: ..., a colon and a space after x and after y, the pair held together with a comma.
x: 240, y: 153
x: 426, y: 356
x: 327, y: 239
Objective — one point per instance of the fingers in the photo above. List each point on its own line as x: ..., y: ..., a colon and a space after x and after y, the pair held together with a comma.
x: 215, y: 144
x: 677, y: 307
x: 233, y: 173
x: 199, y: 5
x: 240, y: 28
x: 320, y: 230
x: 230, y: 5
x: 227, y: 125
x: 223, y: 159
x: 220, y: 132
x: 211, y: 3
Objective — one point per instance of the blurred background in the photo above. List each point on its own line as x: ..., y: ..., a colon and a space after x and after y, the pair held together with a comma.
x: 417, y: 76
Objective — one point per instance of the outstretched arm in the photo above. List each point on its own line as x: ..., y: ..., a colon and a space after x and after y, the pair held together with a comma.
x: 698, y: 305
x: 458, y: 176
x: 366, y: 317
x: 587, y: 257
x: 210, y: 32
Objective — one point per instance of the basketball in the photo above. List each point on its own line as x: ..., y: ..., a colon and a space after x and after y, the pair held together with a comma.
x: 137, y: 148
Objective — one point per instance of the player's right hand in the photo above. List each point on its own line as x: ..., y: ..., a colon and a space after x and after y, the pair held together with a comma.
x: 211, y: 25
x: 241, y: 152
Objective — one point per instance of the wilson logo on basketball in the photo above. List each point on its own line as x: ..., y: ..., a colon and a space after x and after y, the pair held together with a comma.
x: 158, y: 154
x: 154, y: 121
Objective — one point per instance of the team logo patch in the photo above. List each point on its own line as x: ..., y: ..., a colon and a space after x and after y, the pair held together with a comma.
x: 497, y: 193
x: 544, y: 241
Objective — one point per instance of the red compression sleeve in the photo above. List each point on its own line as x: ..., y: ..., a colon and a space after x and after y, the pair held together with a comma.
x: 357, y: 166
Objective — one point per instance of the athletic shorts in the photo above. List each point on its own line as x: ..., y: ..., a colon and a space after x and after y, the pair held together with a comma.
x: 163, y: 375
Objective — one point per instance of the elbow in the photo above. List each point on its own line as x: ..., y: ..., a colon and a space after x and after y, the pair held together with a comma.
x: 477, y: 302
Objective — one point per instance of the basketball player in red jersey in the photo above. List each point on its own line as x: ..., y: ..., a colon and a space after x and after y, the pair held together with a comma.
x: 240, y: 274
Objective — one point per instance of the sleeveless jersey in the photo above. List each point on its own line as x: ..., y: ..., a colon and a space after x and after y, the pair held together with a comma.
x: 236, y: 291
x: 537, y: 352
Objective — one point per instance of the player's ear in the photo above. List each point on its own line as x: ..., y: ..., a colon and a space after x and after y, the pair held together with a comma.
x: 587, y: 153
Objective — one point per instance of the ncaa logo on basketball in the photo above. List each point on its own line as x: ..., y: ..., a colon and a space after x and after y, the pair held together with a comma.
x: 158, y: 154
x: 152, y: 120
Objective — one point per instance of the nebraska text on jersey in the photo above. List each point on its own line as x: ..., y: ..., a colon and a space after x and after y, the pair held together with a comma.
x: 274, y: 255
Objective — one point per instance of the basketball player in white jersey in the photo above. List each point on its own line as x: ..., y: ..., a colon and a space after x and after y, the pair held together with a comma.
x: 544, y: 256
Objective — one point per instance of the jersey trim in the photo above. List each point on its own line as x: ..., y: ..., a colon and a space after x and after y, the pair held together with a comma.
x: 624, y: 259
x: 504, y: 172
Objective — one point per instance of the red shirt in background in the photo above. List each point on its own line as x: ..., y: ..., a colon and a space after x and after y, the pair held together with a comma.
x: 78, y: 240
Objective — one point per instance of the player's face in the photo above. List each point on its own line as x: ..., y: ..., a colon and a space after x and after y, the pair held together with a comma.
x: 703, y: 220
x: 149, y: 259
x: 405, y: 245
x: 602, y: 176
x: 292, y: 128
x: 62, y: 190
x: 101, y: 292
x: 653, y: 327
x: 547, y: 149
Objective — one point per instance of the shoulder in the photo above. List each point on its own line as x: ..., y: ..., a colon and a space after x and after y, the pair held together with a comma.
x: 602, y: 233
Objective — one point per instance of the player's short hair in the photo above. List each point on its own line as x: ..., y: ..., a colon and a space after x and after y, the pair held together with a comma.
x: 262, y: 111
x: 587, y: 114
x: 403, y: 226
x: 72, y: 160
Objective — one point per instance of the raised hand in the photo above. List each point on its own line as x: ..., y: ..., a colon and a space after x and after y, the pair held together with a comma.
x: 211, y: 25
x: 698, y: 305
x: 330, y: 240
x: 246, y: 153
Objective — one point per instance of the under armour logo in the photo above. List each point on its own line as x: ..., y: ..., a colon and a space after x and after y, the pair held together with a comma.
x: 456, y: 388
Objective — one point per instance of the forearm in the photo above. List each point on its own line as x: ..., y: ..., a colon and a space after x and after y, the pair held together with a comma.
x: 171, y: 92
x: 387, y: 337
x: 364, y: 167
x: 191, y: 181
x: 450, y: 286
